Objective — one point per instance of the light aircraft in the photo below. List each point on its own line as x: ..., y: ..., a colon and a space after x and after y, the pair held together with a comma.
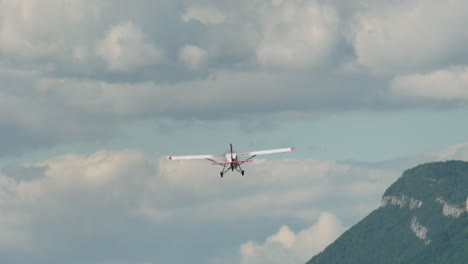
x: 232, y: 159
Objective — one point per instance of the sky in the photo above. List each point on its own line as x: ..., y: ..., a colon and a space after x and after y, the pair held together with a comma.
x: 94, y: 94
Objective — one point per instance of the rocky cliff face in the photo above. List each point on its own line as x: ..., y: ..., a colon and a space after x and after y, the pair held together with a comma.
x: 423, y: 218
x: 401, y: 201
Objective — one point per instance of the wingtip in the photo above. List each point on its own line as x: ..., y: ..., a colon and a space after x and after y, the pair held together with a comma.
x: 293, y: 148
x: 169, y: 157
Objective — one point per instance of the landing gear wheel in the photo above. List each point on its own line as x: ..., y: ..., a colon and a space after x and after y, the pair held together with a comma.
x: 221, y: 174
x: 242, y: 172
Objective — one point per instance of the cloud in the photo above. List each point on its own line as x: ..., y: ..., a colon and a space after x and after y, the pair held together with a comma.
x: 401, y: 36
x: 84, y: 73
x: 33, y: 36
x: 121, y: 34
x: 284, y: 35
x: 126, y: 47
x: 454, y: 152
x: 32, y: 29
x: 288, y: 247
x: 126, y: 198
x: 40, y: 111
x: 114, y: 200
x: 205, y: 15
x: 81, y: 74
x: 77, y: 199
x: 296, y: 34
x: 443, y: 85
x: 23, y: 173
x: 192, y: 56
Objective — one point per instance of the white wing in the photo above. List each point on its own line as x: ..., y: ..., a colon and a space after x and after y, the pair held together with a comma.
x: 191, y: 157
x: 271, y: 151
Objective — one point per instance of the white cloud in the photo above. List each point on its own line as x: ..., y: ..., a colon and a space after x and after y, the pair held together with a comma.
x: 296, y: 34
x: 442, y: 85
x: 97, y: 196
x: 34, y: 28
x: 205, y: 15
x: 288, y: 247
x: 457, y: 152
x: 193, y: 56
x: 405, y: 36
x: 126, y: 47
x: 76, y: 194
x: 130, y: 185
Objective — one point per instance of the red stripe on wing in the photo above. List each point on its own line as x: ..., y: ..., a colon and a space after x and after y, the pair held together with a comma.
x: 239, y: 161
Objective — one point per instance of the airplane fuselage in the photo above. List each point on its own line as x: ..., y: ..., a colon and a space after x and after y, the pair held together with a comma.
x: 230, y: 157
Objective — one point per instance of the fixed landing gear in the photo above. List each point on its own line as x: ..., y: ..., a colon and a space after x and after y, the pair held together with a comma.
x: 227, y: 169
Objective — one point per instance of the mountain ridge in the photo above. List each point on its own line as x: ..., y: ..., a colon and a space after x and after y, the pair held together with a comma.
x: 422, y: 219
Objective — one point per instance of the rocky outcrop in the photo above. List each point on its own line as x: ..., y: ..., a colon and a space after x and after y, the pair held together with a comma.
x: 451, y: 210
x: 401, y: 201
x: 419, y: 230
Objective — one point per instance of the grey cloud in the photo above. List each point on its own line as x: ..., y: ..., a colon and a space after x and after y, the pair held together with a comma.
x: 126, y: 206
x: 42, y: 111
x: 231, y: 41
x: 450, y: 85
x: 249, y: 34
x: 416, y: 36
x: 75, y: 87
x: 23, y: 173
x: 30, y: 120
x: 126, y: 47
x: 296, y: 34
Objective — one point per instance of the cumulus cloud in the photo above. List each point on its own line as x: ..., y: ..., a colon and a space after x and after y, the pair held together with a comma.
x: 34, y: 36
x: 32, y: 28
x: 401, y: 36
x: 125, y: 198
x: 126, y: 47
x: 82, y: 73
x: 72, y: 200
x: 272, y: 34
x: 287, y: 246
x: 296, y: 34
x: 442, y: 85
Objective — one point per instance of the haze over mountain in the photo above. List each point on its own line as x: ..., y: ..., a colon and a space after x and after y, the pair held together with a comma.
x: 422, y: 219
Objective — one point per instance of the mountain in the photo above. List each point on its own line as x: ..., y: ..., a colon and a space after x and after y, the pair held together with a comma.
x: 422, y: 219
